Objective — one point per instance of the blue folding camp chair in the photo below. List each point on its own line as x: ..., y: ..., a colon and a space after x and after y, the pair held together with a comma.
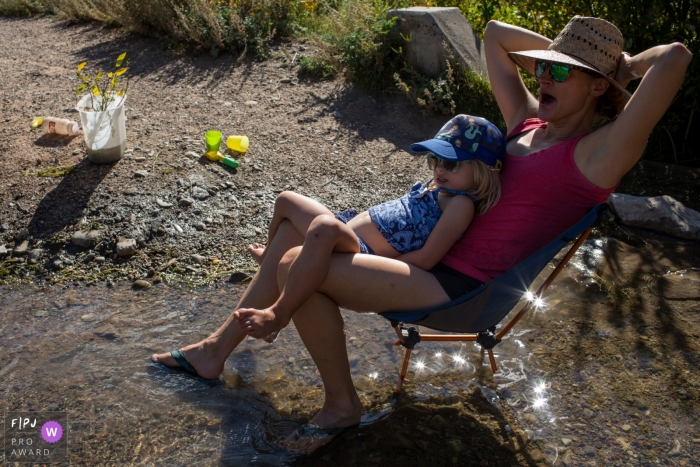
x: 477, y: 313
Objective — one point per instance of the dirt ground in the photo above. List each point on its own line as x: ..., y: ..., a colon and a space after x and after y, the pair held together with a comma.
x: 322, y: 139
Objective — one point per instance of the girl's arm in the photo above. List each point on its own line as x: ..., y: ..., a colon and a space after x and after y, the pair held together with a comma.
x: 514, y: 100
x: 455, y: 219
x: 610, y: 152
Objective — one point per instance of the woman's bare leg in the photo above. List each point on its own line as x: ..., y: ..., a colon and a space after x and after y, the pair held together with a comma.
x: 360, y: 282
x: 300, y: 210
x: 308, y: 271
x: 208, y: 356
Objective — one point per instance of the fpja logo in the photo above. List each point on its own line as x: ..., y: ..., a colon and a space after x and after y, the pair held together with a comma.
x: 36, y: 437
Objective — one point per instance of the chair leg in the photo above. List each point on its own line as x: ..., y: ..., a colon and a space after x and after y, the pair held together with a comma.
x: 492, y: 359
x: 404, y: 369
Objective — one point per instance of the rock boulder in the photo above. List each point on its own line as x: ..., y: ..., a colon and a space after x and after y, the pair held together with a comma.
x: 660, y: 213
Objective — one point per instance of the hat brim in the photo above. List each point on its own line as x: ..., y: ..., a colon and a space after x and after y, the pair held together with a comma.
x: 441, y: 148
x: 526, y: 60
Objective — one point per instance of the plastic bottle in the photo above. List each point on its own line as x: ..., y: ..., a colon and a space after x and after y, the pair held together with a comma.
x: 60, y: 126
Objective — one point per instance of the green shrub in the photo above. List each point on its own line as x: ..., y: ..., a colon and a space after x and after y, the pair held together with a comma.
x: 373, y: 54
x: 317, y: 67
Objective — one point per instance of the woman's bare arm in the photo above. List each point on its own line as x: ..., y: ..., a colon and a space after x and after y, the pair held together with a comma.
x: 514, y: 100
x: 614, y: 149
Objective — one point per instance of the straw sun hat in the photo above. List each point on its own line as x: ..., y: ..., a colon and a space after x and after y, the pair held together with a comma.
x: 590, y: 43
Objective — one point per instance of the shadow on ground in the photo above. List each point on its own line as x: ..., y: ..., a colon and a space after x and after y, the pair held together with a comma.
x: 66, y: 204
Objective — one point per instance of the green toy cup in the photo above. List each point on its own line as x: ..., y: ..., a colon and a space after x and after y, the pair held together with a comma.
x: 213, y: 140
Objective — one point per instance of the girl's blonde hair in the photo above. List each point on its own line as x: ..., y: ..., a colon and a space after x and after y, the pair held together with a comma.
x: 488, y: 185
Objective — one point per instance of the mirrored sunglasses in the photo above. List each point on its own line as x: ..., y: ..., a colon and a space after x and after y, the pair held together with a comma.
x: 558, y: 72
x: 448, y: 166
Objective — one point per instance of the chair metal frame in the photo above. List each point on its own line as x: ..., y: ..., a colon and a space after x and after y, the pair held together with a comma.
x: 409, y: 337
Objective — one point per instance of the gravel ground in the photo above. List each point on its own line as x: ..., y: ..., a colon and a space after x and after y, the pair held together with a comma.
x: 322, y: 139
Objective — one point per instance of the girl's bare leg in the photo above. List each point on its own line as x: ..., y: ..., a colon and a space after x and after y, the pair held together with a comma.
x: 208, y: 356
x: 298, y: 209
x: 308, y: 271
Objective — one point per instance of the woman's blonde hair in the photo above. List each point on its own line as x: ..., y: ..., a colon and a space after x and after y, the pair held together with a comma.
x: 488, y: 185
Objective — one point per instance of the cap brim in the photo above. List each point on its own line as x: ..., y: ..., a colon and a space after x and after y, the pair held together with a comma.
x: 526, y: 60
x: 441, y: 148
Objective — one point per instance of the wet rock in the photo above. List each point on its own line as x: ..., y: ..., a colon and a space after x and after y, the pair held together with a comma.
x: 163, y: 204
x: 363, y: 383
x: 532, y: 419
x: 456, y: 445
x: 141, y: 284
x: 199, y: 259
x: 126, y: 247
x: 566, y: 458
x: 186, y: 202
x: 35, y: 255
x: 679, y: 286
x: 641, y: 404
x: 237, y: 277
x: 676, y: 449
x: 438, y: 423
x: 86, y: 239
x: 89, y: 258
x: 141, y: 174
x: 22, y: 235
x: 200, y: 193
x: 589, y: 451
x: 660, y: 213
x: 21, y: 249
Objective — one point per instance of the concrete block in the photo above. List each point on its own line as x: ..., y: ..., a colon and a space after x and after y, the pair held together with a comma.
x: 428, y: 28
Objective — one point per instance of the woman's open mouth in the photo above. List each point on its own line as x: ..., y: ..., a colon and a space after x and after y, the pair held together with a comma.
x: 547, y: 98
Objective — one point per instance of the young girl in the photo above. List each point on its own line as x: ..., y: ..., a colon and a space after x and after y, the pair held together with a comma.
x: 466, y: 156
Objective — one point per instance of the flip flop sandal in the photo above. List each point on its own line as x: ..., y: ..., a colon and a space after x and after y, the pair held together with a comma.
x: 313, y: 431
x: 186, y: 367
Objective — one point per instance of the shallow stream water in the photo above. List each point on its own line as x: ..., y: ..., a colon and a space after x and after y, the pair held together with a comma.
x: 85, y: 351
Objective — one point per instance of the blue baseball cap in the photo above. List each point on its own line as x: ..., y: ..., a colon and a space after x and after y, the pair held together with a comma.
x: 466, y: 137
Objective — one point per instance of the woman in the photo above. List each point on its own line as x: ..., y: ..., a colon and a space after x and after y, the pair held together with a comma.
x: 557, y: 167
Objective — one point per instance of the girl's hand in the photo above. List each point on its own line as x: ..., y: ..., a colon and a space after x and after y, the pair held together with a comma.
x: 624, y: 72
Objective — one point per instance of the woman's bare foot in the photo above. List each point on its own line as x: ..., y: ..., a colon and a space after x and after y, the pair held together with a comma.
x: 259, y: 323
x: 200, y: 355
x: 257, y: 251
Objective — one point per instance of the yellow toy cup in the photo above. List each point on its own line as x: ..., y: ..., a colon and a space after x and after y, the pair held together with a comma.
x: 212, y: 140
x: 238, y: 143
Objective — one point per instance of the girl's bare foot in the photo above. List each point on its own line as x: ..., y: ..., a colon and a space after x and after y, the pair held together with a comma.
x: 200, y: 356
x: 257, y: 251
x: 259, y: 323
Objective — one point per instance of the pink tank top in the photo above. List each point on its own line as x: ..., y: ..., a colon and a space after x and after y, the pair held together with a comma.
x: 542, y: 195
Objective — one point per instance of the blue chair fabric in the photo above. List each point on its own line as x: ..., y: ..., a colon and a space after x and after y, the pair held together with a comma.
x: 487, y: 305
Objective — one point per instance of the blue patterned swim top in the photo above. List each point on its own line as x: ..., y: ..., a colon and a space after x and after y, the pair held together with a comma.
x: 406, y: 223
